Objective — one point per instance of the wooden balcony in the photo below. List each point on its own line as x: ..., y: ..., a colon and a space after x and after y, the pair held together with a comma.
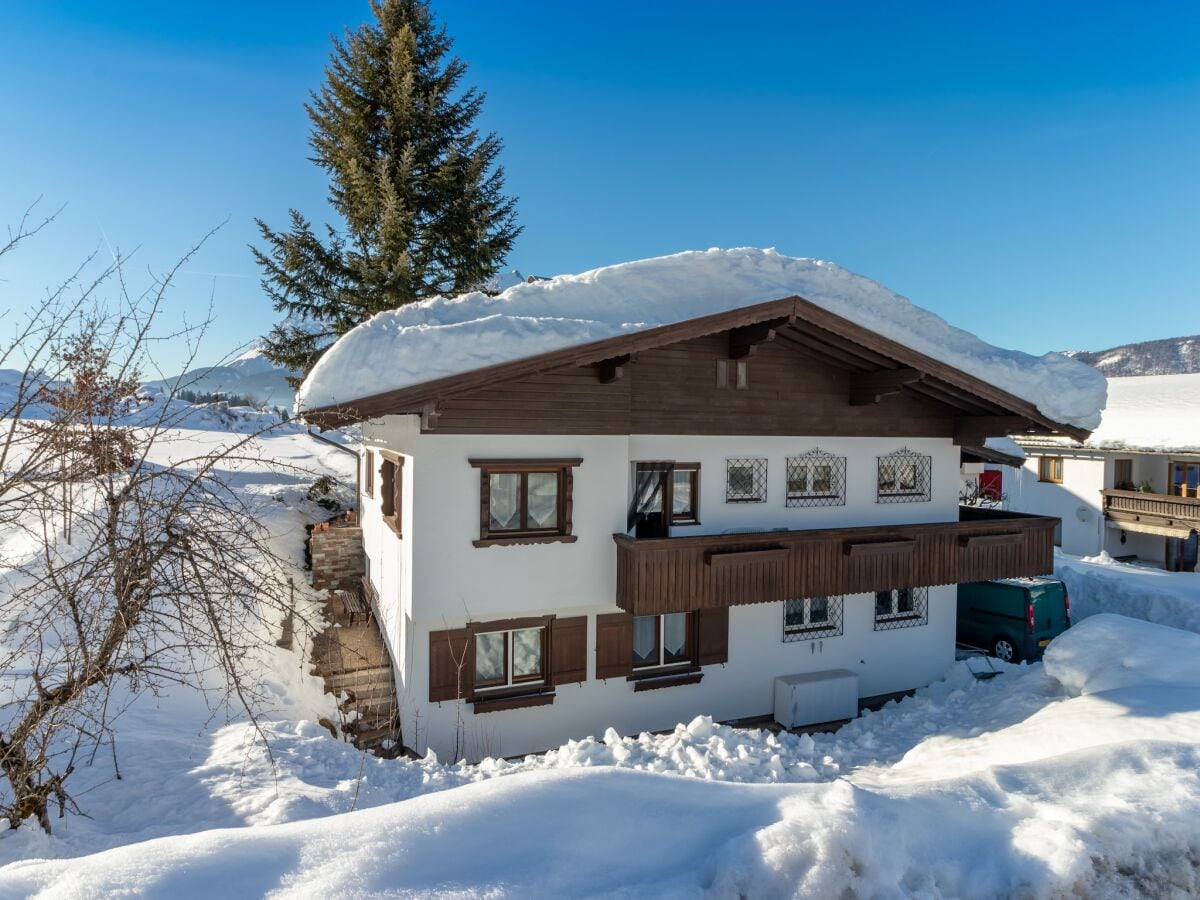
x: 1136, y: 508
x: 661, y: 575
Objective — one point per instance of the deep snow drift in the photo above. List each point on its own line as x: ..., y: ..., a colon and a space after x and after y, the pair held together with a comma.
x: 446, y: 336
x: 1073, y: 777
x: 1100, y: 584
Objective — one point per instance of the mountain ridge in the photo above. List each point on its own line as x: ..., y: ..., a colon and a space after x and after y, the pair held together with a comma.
x: 1164, y: 356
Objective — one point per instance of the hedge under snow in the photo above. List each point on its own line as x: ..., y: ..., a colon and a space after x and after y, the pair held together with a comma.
x: 450, y: 335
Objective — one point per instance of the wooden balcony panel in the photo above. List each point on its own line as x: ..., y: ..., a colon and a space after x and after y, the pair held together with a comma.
x: 661, y: 575
x: 1156, y: 508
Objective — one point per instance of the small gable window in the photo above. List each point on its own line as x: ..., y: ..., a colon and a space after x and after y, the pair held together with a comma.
x: 1050, y: 468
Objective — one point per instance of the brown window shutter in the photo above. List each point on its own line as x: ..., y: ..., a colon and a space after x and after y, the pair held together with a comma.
x: 568, y: 650
x: 614, y: 645
x: 386, y: 488
x: 712, y: 636
x: 450, y: 665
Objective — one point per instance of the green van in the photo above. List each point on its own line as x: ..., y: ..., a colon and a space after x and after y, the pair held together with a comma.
x: 1013, y: 618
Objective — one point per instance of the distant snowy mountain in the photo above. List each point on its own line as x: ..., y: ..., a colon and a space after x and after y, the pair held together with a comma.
x: 1168, y: 356
x: 250, y: 375
x: 502, y: 281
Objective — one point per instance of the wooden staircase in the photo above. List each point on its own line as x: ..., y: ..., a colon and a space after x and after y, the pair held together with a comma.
x: 351, y: 657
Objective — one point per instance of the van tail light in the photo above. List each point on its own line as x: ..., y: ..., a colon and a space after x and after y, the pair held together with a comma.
x: 1067, y: 604
x: 1029, y: 614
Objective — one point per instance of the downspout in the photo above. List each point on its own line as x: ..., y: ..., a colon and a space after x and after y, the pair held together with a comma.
x: 357, y: 475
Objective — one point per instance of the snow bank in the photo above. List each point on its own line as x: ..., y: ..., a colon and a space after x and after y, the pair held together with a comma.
x: 1108, y: 652
x: 447, y: 336
x: 1099, y: 584
x: 1150, y: 412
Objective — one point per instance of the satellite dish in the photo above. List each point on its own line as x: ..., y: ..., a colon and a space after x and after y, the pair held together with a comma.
x: 1083, y: 514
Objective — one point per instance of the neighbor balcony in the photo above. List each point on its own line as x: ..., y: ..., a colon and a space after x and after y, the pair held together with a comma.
x: 675, y: 574
x: 1153, y: 513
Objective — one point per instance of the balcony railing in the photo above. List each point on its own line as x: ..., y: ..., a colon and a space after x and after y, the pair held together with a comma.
x: 1155, y: 509
x: 675, y: 574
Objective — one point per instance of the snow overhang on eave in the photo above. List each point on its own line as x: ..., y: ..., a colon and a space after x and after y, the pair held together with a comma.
x: 1015, y: 413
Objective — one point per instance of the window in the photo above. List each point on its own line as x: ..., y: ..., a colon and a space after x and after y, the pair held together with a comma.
x: 664, y: 640
x: 733, y: 371
x: 685, y: 494
x: 369, y: 473
x: 1123, y: 475
x: 901, y: 608
x: 1185, y: 479
x: 510, y: 658
x: 391, y: 491
x: 523, y: 502
x: 816, y: 479
x: 903, y: 477
x: 1050, y: 468
x: 812, y: 618
x: 745, y: 480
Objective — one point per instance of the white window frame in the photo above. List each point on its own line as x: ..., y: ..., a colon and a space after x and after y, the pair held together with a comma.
x: 830, y: 626
x: 896, y: 612
x: 809, y: 466
x: 689, y: 640
x: 749, y: 464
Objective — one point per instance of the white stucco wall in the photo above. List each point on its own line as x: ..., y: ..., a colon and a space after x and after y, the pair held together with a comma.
x: 434, y: 578
x: 1076, y: 501
x: 885, y: 661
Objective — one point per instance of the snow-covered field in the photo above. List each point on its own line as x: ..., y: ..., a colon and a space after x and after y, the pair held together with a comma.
x: 1075, y: 777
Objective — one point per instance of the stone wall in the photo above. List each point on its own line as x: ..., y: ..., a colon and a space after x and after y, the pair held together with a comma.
x: 337, y: 554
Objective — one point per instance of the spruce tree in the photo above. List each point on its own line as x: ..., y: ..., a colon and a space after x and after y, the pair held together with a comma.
x: 417, y: 188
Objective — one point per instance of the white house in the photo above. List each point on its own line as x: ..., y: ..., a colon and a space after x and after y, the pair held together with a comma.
x: 1132, y: 488
x: 652, y: 491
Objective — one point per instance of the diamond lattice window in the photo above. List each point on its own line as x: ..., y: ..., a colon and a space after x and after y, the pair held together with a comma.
x: 816, y: 478
x: 812, y: 618
x: 904, y: 477
x: 746, y: 480
x: 901, y: 608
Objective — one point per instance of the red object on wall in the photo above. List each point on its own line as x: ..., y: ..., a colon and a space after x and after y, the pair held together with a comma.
x: 991, y: 483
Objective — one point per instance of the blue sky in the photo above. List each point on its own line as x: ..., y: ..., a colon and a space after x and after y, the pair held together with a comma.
x: 1029, y: 172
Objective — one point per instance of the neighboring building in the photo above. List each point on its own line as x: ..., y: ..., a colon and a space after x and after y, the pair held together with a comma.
x: 1133, y: 488
x: 634, y: 529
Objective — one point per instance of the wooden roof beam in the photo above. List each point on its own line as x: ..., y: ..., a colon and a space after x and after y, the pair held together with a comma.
x: 743, y: 340
x: 610, y: 370
x: 822, y: 352
x: 867, y: 388
x: 974, y: 430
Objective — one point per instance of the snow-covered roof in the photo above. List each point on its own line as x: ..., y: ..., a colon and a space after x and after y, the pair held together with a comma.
x: 448, y: 336
x: 1152, y: 413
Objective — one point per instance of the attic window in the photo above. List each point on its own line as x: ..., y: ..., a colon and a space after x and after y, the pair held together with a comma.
x: 732, y: 372
x: 524, y: 501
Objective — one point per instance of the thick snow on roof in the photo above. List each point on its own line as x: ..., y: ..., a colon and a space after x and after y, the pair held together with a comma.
x: 1150, y: 412
x: 448, y: 336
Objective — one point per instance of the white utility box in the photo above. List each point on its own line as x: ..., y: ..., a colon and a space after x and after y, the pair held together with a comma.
x: 816, y: 697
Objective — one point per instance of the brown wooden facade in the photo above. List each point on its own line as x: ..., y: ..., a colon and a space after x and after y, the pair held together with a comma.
x: 662, y: 575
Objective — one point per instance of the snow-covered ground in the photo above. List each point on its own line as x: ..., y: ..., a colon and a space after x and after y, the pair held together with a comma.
x: 1073, y: 777
x: 448, y: 335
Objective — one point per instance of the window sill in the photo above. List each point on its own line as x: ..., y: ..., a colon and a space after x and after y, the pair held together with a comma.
x: 390, y: 522
x: 652, y: 681
x: 517, y: 540
x: 745, y: 499
x: 906, y: 617
x: 485, y: 704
